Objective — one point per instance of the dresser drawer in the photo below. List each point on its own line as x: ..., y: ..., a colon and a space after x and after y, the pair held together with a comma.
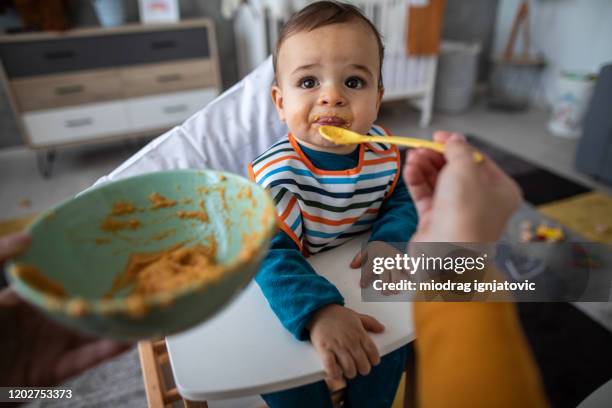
x: 168, y: 77
x: 166, y: 110
x: 67, y: 125
x: 160, y: 46
x: 55, y: 91
x: 29, y: 58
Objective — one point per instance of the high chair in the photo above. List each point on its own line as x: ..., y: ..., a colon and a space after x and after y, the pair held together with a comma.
x: 226, y: 135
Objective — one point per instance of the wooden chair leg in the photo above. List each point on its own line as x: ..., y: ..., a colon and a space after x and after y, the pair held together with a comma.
x: 336, y: 389
x: 153, y: 356
x: 151, y: 375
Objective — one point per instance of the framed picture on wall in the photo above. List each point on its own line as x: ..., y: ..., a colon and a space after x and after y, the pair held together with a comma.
x: 158, y: 11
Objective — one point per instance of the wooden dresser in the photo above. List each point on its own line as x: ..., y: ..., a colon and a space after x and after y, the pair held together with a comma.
x: 97, y: 84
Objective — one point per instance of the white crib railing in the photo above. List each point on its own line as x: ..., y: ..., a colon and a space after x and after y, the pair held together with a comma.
x: 257, y: 24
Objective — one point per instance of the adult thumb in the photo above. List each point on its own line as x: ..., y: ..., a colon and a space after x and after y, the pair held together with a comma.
x: 11, y: 245
x: 371, y: 324
x: 457, y: 149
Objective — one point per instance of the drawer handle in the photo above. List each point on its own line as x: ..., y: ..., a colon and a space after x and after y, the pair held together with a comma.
x: 72, y: 123
x: 68, y: 89
x: 61, y: 54
x: 175, y: 108
x: 169, y: 78
x: 159, y: 45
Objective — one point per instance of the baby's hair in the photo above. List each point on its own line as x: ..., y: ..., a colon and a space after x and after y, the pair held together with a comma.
x: 320, y: 14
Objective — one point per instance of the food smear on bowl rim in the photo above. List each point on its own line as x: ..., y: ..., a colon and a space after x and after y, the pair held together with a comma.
x: 39, y: 281
x: 77, y: 307
x: 163, y: 234
x: 111, y: 224
x: 159, y: 201
x: 201, y: 215
x: 122, y: 207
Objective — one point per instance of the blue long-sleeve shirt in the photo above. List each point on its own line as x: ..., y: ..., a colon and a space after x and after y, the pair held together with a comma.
x: 292, y: 287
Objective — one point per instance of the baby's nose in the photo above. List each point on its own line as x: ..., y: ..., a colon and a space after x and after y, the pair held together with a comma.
x: 332, y: 96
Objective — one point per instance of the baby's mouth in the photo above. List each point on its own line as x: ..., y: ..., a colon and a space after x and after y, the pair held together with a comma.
x: 331, y: 121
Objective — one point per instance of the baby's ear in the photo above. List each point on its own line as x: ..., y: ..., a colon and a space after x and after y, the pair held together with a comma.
x: 277, y: 99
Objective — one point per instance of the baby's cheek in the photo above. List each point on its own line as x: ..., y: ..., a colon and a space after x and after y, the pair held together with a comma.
x: 297, y: 119
x: 367, y: 119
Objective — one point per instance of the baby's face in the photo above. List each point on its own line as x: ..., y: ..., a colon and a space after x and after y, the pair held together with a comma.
x: 328, y: 76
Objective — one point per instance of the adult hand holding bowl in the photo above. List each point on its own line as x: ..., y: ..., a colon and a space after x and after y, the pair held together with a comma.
x: 146, y: 256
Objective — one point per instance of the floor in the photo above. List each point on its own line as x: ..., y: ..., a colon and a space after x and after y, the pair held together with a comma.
x: 24, y: 191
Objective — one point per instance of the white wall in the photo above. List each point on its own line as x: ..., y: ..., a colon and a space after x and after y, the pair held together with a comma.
x: 571, y: 34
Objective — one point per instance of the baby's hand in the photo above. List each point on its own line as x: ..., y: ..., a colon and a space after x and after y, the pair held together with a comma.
x: 365, y: 258
x: 340, y: 336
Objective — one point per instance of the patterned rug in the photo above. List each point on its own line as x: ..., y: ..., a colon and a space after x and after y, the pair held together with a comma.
x: 539, y: 185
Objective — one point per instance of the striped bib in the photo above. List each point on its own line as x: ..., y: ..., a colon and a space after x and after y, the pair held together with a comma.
x: 322, y: 209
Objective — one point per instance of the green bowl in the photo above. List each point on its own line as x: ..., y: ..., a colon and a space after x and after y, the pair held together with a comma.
x: 70, y: 248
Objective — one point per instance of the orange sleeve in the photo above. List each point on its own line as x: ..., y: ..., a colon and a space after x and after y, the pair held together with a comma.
x: 474, y: 355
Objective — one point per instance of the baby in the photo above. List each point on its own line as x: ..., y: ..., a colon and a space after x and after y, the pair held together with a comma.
x: 328, y: 72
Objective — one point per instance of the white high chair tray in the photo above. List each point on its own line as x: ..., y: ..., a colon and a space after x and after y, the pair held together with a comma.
x: 245, y: 350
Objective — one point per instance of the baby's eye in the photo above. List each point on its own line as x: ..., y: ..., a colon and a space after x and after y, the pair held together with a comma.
x: 354, y: 83
x: 308, y: 83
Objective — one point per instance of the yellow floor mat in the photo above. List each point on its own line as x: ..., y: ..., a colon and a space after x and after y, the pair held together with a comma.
x: 588, y: 214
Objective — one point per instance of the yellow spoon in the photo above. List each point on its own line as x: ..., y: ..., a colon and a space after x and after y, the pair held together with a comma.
x: 340, y: 135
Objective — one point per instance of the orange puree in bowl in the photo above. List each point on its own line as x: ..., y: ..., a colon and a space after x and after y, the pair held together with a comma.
x: 172, y: 268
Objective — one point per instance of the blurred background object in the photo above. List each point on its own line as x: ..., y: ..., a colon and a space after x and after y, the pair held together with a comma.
x: 514, y: 76
x: 45, y: 15
x: 158, y: 11
x: 594, y: 153
x: 574, y: 90
x: 110, y: 13
x: 457, y: 74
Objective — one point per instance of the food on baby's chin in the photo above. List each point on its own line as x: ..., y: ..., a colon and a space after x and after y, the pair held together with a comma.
x: 159, y: 201
x: 111, y: 225
x: 37, y: 280
x: 122, y: 207
x: 172, y: 268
